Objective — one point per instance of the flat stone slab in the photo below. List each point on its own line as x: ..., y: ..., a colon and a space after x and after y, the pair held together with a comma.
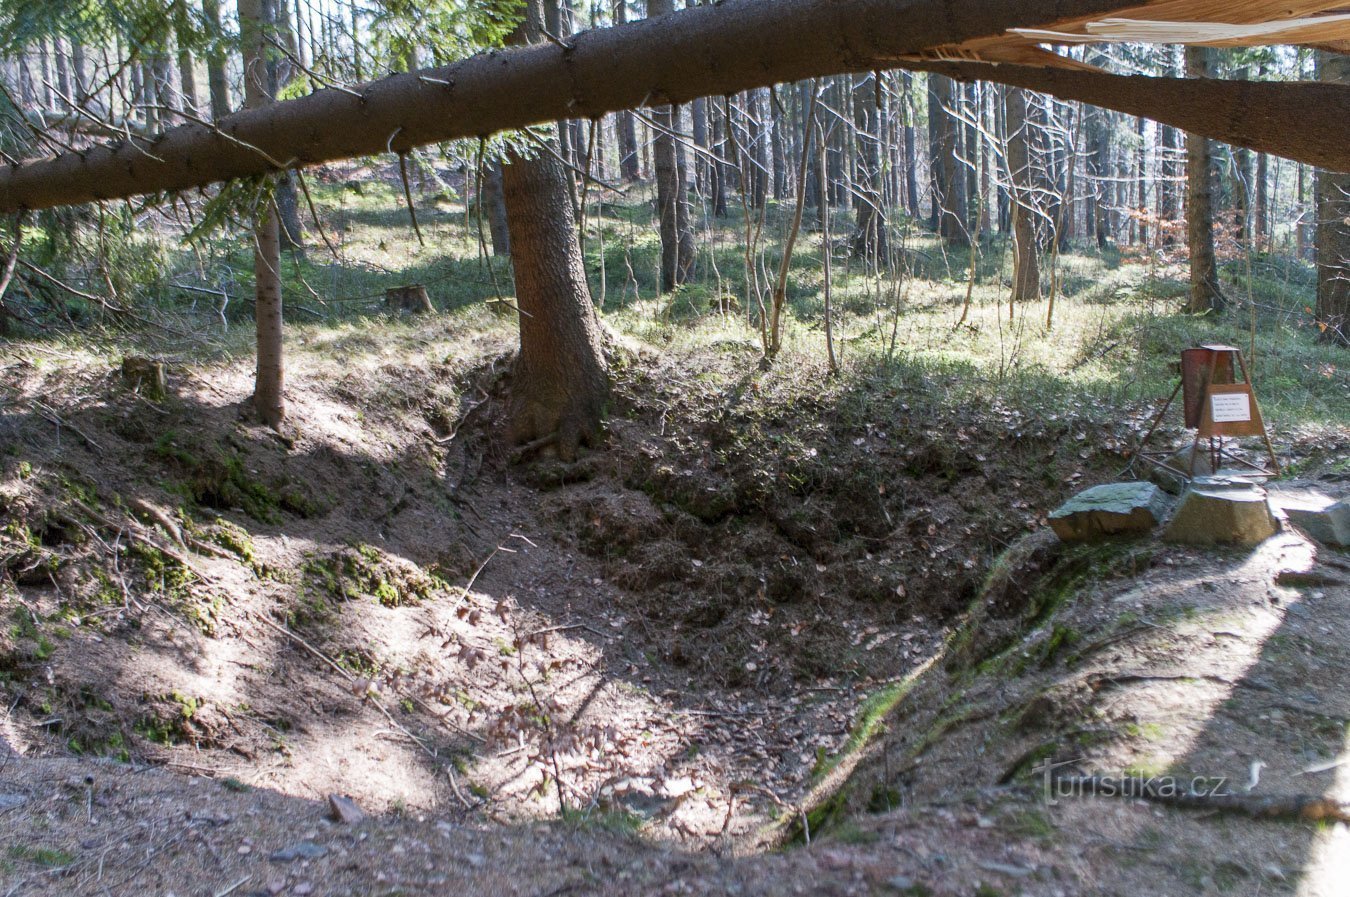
x: 1319, y: 515
x: 1109, y: 510
x: 1222, y: 511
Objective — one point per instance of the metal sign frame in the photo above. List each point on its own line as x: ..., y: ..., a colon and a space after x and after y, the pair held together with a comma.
x: 1207, y: 381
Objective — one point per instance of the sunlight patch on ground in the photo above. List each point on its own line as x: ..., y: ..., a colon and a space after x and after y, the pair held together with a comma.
x: 1189, y: 705
x: 1328, y: 870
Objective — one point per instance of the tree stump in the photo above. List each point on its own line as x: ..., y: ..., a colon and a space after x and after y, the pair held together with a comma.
x: 145, y: 376
x: 412, y: 299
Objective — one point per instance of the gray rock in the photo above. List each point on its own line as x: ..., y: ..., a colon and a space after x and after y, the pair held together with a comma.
x: 1222, y: 511
x: 1109, y: 510
x: 10, y: 801
x: 301, y: 850
x: 1317, y: 514
x: 343, y: 809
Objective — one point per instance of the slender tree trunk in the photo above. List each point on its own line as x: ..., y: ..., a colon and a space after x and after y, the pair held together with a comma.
x: 719, y: 172
x: 629, y: 167
x: 1200, y: 178
x: 281, y: 71
x: 62, y: 70
x: 44, y: 69
x: 949, y: 193
x: 1025, y: 212
x: 970, y: 164
x: 698, y: 111
x: 778, y: 149
x: 672, y: 196
x: 561, y: 382
x: 911, y: 156
x: 269, y: 381
x: 869, y: 240
x: 166, y: 91
x: 1141, y: 179
x: 1261, y: 202
x: 77, y: 69
x: 1333, y: 231
x: 216, y: 81
x: 495, y: 208
x: 1169, y: 199
x: 187, y: 75
x: 758, y: 142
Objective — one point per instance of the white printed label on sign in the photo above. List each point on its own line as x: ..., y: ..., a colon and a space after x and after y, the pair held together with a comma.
x: 1231, y: 407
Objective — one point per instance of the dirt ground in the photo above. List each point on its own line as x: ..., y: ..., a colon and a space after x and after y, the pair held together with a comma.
x: 759, y: 618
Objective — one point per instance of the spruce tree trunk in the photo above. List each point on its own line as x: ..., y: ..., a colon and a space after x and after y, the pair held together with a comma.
x: 698, y: 111
x: 561, y: 382
x: 187, y: 76
x: 629, y: 168
x: 270, y: 377
x: 1169, y: 200
x: 77, y: 70
x: 720, y: 170
x: 869, y: 240
x: 1200, y: 177
x: 911, y: 156
x: 216, y: 81
x: 949, y: 182
x: 672, y: 195
x: 1261, y: 217
x: 281, y: 71
x: 1026, y: 253
x: 1333, y: 231
x: 495, y: 208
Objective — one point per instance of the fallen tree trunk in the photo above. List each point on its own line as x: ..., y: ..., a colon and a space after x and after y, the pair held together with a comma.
x: 1305, y: 121
x: 725, y: 48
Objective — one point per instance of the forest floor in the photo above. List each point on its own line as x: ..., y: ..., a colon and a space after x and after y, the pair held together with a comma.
x: 786, y: 632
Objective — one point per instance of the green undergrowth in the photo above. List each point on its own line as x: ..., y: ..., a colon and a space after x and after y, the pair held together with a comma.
x: 361, y: 571
x: 219, y: 478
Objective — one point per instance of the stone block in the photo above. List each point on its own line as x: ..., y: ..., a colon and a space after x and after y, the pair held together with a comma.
x: 1222, y: 511
x: 1108, y: 510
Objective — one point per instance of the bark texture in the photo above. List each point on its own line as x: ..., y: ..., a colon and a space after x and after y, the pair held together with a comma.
x: 1201, y: 175
x: 672, y: 197
x: 561, y: 382
x: 949, y: 181
x: 270, y: 375
x: 708, y: 50
x: 1025, y: 208
x: 869, y: 240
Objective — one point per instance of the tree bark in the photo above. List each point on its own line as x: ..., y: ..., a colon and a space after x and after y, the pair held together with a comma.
x: 949, y: 194
x: 629, y: 167
x: 672, y: 195
x: 495, y: 208
x: 270, y: 376
x: 911, y: 156
x: 869, y: 240
x: 1170, y: 171
x: 217, y: 83
x: 1025, y: 208
x: 707, y: 50
x: 1200, y: 177
x: 561, y: 382
x: 1333, y: 231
